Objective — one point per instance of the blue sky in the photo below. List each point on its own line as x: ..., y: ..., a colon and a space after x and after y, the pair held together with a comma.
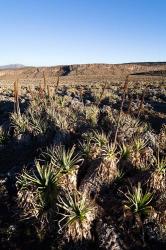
x: 52, y: 32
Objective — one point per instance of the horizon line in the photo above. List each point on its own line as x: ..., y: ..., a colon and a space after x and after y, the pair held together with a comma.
x: 56, y: 65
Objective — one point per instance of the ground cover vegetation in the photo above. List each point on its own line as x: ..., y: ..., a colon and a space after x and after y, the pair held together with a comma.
x: 83, y: 167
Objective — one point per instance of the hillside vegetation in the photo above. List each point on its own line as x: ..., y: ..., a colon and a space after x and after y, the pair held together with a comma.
x: 83, y: 166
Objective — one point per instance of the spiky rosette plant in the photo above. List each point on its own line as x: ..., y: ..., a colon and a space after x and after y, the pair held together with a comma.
x: 91, y: 115
x: 20, y: 123
x: 38, y: 122
x: 4, y: 137
x: 141, y: 154
x: 102, y: 171
x: 66, y: 163
x: 77, y: 214
x: 125, y: 156
x: 162, y: 138
x: 120, y: 176
x: 125, y: 151
x: 138, y: 201
x: 99, y: 140
x: 128, y: 126
x: 86, y: 149
x: 61, y: 122
x: 62, y: 101
x: 37, y: 195
x: 109, y: 162
x: 158, y: 177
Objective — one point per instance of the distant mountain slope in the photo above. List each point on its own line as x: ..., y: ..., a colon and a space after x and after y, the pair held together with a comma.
x: 12, y: 66
x: 85, y: 71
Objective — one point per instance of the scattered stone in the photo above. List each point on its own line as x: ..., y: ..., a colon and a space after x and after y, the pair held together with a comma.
x: 108, y: 237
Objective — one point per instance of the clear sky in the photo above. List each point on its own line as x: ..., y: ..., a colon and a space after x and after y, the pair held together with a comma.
x: 52, y: 32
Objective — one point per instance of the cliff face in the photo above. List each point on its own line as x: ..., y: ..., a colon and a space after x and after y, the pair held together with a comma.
x: 83, y: 70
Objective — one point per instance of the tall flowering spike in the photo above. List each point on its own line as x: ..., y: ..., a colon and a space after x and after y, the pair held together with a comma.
x: 41, y: 94
x: 48, y: 90
x: 16, y: 97
x: 102, y: 92
x: 141, y: 103
x: 126, y: 84
x: 31, y: 92
x: 44, y: 81
x: 125, y: 88
x: 57, y: 84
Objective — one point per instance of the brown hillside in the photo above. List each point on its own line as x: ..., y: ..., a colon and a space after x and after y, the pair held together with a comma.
x: 85, y: 72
